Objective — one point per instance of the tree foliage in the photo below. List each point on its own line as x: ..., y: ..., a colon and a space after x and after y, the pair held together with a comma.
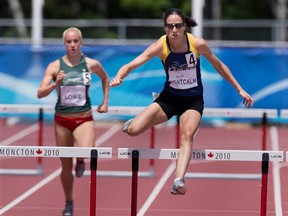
x: 246, y: 9
x: 91, y: 9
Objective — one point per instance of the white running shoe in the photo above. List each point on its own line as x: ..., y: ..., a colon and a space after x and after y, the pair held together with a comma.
x: 126, y: 125
x: 155, y: 95
x: 179, y: 187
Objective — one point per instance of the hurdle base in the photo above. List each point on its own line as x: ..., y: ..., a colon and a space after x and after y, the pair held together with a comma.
x: 104, y: 173
x: 223, y: 176
x: 37, y: 172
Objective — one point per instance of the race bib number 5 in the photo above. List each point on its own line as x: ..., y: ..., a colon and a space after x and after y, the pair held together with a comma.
x: 86, y: 78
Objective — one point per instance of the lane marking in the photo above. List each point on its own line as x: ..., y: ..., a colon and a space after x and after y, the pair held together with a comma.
x: 30, y: 191
x: 20, y: 135
x: 157, y: 188
x: 109, y: 133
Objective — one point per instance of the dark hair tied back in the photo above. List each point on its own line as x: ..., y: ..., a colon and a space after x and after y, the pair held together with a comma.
x: 187, y: 20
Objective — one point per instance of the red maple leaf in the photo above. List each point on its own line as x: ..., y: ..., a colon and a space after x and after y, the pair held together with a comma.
x: 39, y: 151
x: 210, y: 155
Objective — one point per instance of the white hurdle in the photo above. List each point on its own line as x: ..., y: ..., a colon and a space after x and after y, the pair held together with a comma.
x: 207, y: 154
x: 37, y: 126
x: 64, y: 152
x: 216, y: 155
x: 136, y: 154
x: 132, y: 111
x: 48, y: 109
x: 242, y: 113
x: 53, y: 151
x: 284, y: 113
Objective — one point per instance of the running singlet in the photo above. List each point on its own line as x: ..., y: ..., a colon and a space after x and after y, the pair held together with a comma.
x: 73, y: 93
x: 183, y: 77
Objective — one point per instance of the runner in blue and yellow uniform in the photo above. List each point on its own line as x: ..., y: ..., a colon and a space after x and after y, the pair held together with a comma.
x: 183, y: 90
x: 74, y: 123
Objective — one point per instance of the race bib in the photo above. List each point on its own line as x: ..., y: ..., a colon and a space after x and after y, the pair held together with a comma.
x: 86, y: 78
x: 183, y: 78
x: 73, y: 95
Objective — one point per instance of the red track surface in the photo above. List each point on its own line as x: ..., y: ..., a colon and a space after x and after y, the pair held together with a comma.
x: 205, y: 197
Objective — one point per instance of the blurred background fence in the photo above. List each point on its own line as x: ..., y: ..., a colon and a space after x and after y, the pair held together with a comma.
x: 125, y: 30
x: 249, y: 36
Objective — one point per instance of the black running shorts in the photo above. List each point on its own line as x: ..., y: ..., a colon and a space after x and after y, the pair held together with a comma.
x: 175, y: 105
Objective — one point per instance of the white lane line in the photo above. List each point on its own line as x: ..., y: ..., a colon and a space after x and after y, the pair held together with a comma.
x: 157, y: 188
x: 20, y: 135
x: 31, y: 191
x: 276, y: 173
x: 56, y: 173
x: 109, y: 133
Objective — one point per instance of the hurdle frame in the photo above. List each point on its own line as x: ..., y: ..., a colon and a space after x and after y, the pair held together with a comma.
x: 39, y: 170
x: 235, y: 155
x: 265, y: 113
x: 268, y: 113
x: 41, y: 109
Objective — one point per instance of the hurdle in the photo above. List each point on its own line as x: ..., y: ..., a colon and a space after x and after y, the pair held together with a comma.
x: 67, y: 152
x: 135, y: 154
x: 25, y: 109
x: 129, y: 111
x: 216, y: 155
x: 242, y: 113
x: 132, y: 111
x: 48, y: 109
x: 284, y: 113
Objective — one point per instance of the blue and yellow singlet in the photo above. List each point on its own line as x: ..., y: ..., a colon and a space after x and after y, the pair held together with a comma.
x: 183, y: 77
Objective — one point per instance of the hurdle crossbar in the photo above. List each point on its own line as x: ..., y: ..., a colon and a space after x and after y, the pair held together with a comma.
x: 284, y: 113
x: 122, y: 174
x: 53, y: 151
x: 219, y: 155
x: 134, y: 110
x: 207, y: 154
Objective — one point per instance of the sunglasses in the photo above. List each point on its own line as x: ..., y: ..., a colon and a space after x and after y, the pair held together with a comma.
x: 172, y: 25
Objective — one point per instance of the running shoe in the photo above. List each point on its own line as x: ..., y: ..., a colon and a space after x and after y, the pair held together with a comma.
x: 79, y: 168
x: 68, y: 210
x: 126, y: 125
x: 179, y: 187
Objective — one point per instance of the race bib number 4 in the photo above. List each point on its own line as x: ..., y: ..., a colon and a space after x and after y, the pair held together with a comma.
x: 191, y: 59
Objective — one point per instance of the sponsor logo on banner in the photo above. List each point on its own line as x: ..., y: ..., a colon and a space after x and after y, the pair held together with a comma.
x: 104, y: 152
x: 125, y: 153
